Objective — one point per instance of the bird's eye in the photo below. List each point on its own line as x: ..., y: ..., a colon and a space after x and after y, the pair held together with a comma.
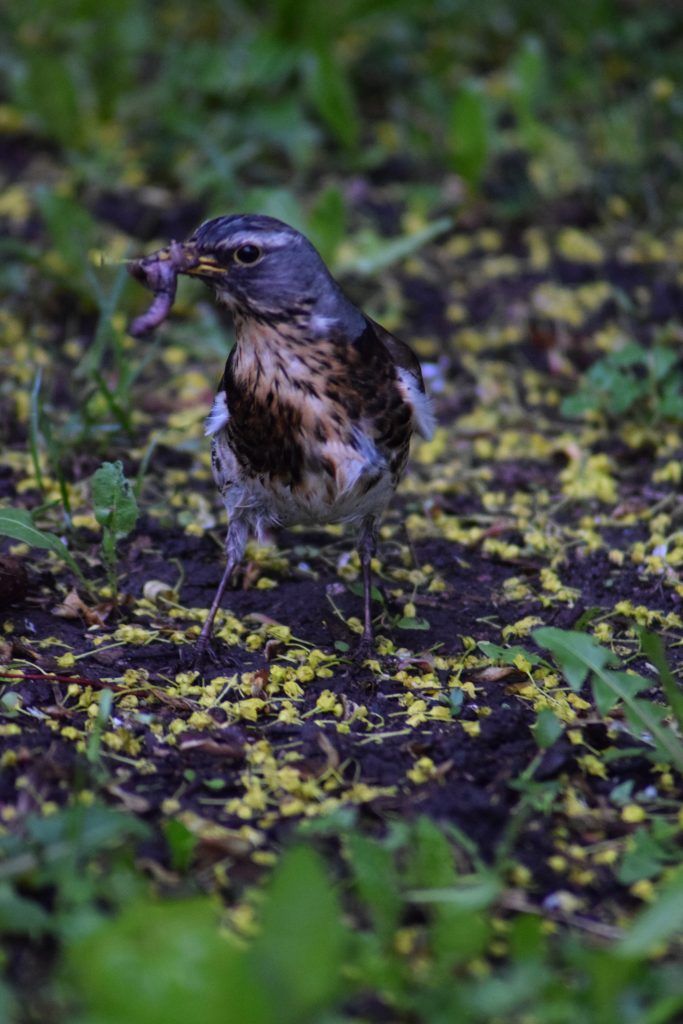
x: 247, y: 254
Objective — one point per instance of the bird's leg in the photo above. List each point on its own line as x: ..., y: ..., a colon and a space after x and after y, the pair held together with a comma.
x: 234, y: 545
x: 367, y: 546
x: 204, y: 638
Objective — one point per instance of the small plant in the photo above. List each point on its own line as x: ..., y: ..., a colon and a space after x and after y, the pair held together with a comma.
x: 93, y: 749
x: 581, y: 659
x: 471, y: 132
x: 116, y: 510
x: 62, y: 854
x: 646, y: 384
x: 18, y: 524
x: 59, y: 873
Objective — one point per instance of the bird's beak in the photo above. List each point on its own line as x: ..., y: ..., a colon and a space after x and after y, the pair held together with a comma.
x: 197, y: 263
x: 183, y: 257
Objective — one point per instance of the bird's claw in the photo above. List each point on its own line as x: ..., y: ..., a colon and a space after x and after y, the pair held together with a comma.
x: 193, y: 657
x: 365, y: 649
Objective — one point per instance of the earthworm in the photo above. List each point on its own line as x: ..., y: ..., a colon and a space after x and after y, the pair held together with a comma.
x: 159, y: 272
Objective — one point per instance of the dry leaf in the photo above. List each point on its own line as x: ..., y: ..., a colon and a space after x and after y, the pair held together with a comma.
x: 209, y: 746
x: 330, y: 752
x: 131, y: 801
x: 154, y: 589
x: 214, y: 836
x: 493, y: 673
x: 73, y: 607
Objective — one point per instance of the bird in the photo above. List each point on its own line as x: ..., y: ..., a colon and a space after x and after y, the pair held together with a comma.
x: 316, y: 407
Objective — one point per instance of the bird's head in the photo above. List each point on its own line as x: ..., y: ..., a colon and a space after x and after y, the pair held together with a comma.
x: 259, y: 266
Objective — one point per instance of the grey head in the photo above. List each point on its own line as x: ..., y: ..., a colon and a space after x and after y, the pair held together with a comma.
x: 264, y: 269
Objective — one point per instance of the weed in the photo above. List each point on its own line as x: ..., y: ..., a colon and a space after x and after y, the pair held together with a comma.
x: 116, y: 510
x: 93, y: 750
x: 18, y: 524
x: 581, y: 658
x: 645, y: 385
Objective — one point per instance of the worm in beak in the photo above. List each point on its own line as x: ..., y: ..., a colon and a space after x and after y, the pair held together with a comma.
x: 159, y: 272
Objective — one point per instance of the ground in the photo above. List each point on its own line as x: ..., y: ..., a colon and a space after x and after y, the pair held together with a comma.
x: 520, y: 513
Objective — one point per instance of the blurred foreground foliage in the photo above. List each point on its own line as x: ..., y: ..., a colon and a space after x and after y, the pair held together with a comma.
x: 416, y: 925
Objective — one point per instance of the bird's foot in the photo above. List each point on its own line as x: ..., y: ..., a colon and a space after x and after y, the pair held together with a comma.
x: 365, y: 649
x: 193, y: 657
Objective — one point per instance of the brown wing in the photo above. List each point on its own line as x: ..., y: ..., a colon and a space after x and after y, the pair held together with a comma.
x: 401, y: 354
x: 409, y: 375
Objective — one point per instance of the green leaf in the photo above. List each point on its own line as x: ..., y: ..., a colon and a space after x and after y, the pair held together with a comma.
x: 575, y: 653
x: 376, y: 881
x: 459, y: 928
x: 113, y: 498
x: 505, y: 996
x: 646, y: 717
x: 182, y: 844
x: 470, y: 135
x: 671, y: 400
x: 19, y: 916
x: 653, y: 649
x: 576, y: 405
x: 657, y: 923
x: 408, y: 622
x: 370, y: 253
x: 547, y: 728
x: 358, y: 589
x: 303, y: 938
x: 604, y: 696
x: 621, y: 794
x: 10, y: 702
x: 214, y: 784
x: 330, y: 92
x: 661, y: 361
x: 530, y: 74
x: 527, y: 938
x: 50, y: 96
x: 87, y: 829
x: 611, y: 687
x: 508, y: 655
x: 73, y: 232
x: 327, y: 222
x: 456, y: 700
x: 644, y: 858
x: 18, y: 524
x: 473, y: 894
x: 623, y: 395
x: 430, y: 856
x: 578, y: 654
x: 165, y: 963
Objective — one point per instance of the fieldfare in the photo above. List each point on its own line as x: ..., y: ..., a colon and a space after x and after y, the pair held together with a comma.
x: 315, y: 410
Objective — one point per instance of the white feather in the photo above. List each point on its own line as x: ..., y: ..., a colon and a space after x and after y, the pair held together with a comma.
x: 320, y: 325
x: 219, y: 415
x: 424, y: 420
